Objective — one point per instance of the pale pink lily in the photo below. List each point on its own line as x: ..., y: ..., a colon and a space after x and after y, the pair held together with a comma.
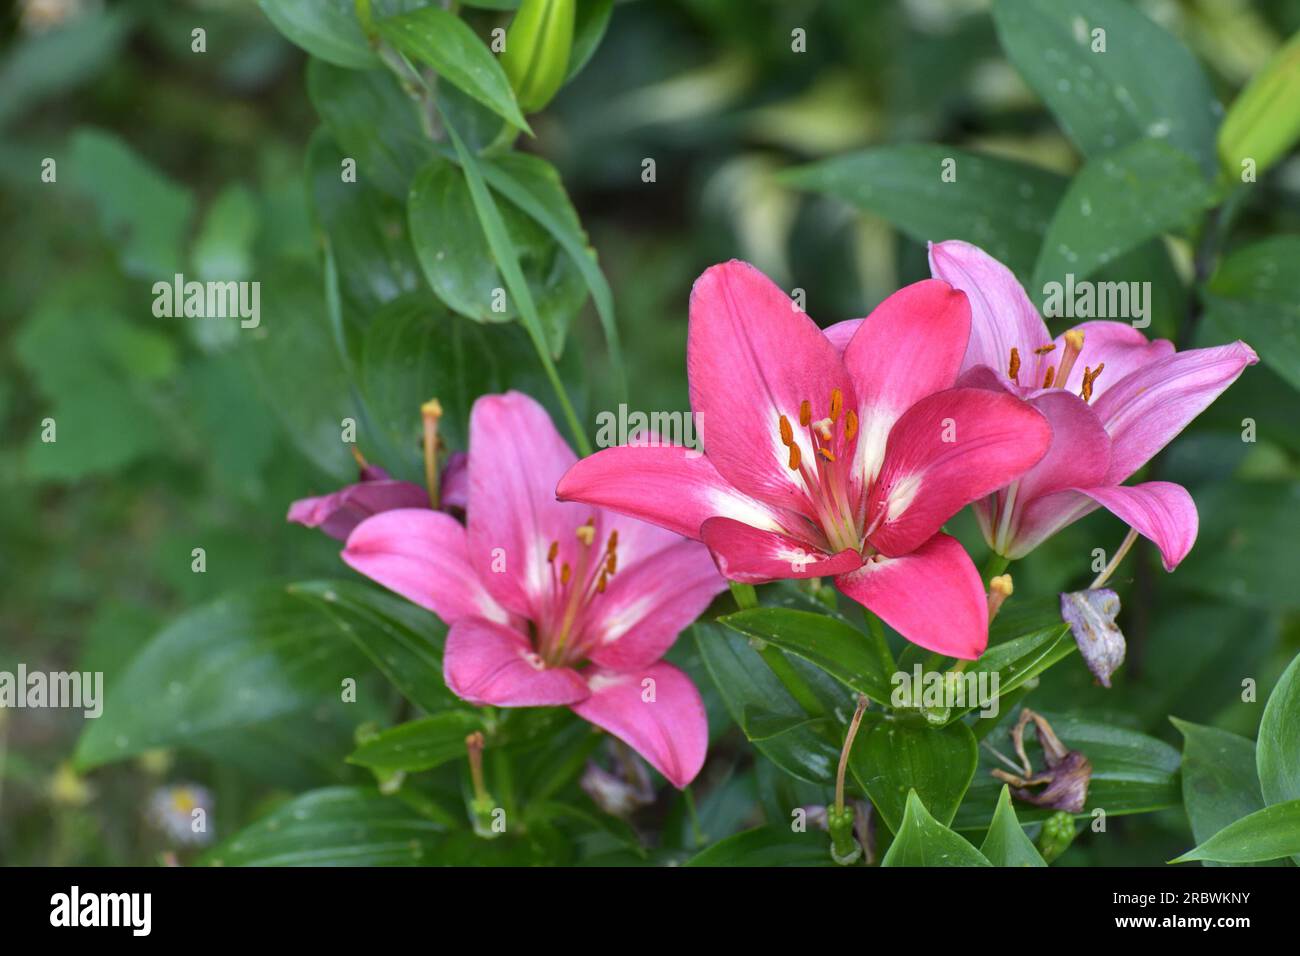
x: 820, y: 465
x: 551, y: 604
x: 1114, y: 399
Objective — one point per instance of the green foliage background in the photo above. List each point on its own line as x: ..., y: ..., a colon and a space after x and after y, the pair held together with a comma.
x: 820, y: 167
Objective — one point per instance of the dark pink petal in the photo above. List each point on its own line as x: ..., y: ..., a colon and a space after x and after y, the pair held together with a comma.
x: 1145, y: 410
x: 338, y: 513
x: 1002, y: 316
x: 656, y: 711
x: 420, y: 554
x: 1159, y: 510
x: 841, y: 333
x: 751, y: 357
x: 910, y: 346
x: 673, y: 487
x: 753, y: 556
x: 947, y: 450
x: 933, y: 597
x: 454, y: 488
x: 648, y: 602
x: 516, y: 458
x: 487, y: 663
x: 1122, y: 348
x: 1080, y: 449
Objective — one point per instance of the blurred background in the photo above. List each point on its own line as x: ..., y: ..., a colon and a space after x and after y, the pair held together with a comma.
x: 172, y: 161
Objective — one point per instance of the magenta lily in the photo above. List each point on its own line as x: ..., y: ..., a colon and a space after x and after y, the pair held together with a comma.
x: 822, y: 465
x: 340, y: 511
x: 1114, y: 399
x: 551, y: 604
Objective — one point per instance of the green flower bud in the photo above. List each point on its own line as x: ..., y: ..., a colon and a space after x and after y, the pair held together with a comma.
x: 1263, y: 122
x: 1057, y: 835
x: 536, y: 57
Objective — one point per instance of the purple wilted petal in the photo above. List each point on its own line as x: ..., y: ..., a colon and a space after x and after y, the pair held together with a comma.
x: 1091, y: 616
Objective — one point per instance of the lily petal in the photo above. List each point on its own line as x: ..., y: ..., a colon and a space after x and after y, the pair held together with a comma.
x: 673, y: 487
x: 910, y: 346
x: 1146, y: 409
x: 516, y: 457
x: 648, y: 602
x: 486, y: 663
x: 1159, y: 510
x: 753, y: 556
x: 947, y: 450
x: 753, y: 356
x: 841, y: 333
x: 1002, y: 316
x: 420, y: 554
x: 933, y: 597
x: 338, y: 513
x: 656, y: 711
x: 1080, y: 449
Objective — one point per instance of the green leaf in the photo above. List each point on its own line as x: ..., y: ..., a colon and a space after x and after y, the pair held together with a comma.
x: 998, y: 204
x: 1278, y: 753
x: 588, y: 30
x: 141, y: 212
x: 373, y: 122
x: 1255, y: 295
x: 233, y: 662
x: 1145, y: 83
x: 457, y: 258
x: 844, y: 652
x: 893, y: 757
x: 803, y: 747
x: 1116, y: 203
x: 336, y: 826
x: 1262, y: 123
x: 924, y: 841
x: 403, y: 640
x: 1268, y: 834
x: 223, y: 250
x: 768, y: 846
x: 1220, y: 784
x: 327, y: 29
x: 1006, y: 843
x: 419, y: 744
x: 1131, y: 772
x: 446, y: 43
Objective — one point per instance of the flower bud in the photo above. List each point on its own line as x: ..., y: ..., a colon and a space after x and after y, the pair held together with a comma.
x: 1263, y: 123
x: 536, y: 57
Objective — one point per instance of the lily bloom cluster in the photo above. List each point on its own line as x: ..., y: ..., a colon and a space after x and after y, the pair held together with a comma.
x: 548, y: 604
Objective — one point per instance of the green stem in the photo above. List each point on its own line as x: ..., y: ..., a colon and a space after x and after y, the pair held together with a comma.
x: 746, y: 599
x: 994, y: 565
x: 745, y: 595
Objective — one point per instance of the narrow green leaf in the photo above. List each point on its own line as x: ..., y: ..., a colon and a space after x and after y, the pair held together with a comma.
x: 1268, y: 834
x: 1262, y: 123
x: 327, y: 29
x: 1278, y: 752
x: 445, y: 42
x: 844, y: 652
x: 1006, y: 843
x: 419, y: 744
x: 924, y: 841
x: 768, y: 846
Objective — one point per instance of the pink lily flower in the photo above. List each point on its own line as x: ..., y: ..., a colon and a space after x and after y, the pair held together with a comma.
x: 820, y: 465
x: 551, y: 604
x: 1114, y: 399
x: 340, y: 511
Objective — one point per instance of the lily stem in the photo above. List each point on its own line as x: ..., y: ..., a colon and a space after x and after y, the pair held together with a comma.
x: 848, y: 746
x: 1101, y: 579
x: 845, y: 849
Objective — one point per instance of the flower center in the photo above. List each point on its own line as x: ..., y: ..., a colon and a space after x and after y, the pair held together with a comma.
x: 826, y: 471
x: 560, y: 636
x: 1057, y: 375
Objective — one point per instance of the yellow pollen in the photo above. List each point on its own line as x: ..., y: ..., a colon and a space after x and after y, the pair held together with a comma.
x: 554, y: 550
x: 565, y: 573
x: 787, y: 433
x: 837, y: 403
x: 586, y: 534
x: 826, y: 453
x: 794, y: 457
x: 1074, y: 339
x: 1013, y: 370
x: 850, y: 424
x: 1044, y: 349
x: 1051, y: 374
x: 805, y: 413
